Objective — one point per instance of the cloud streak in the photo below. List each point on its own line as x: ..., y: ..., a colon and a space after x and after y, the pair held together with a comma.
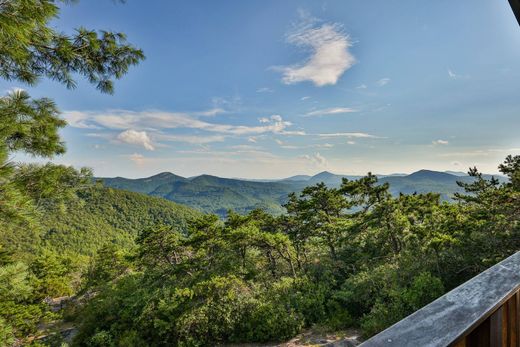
x: 154, y: 120
x: 331, y: 111
x: 440, y: 142
x: 351, y: 135
x: 383, y: 81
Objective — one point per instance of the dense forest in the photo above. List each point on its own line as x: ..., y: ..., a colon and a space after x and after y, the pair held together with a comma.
x: 125, y: 269
x: 139, y: 270
x: 353, y: 256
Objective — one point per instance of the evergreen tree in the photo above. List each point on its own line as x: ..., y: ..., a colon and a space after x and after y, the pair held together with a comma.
x: 31, y: 50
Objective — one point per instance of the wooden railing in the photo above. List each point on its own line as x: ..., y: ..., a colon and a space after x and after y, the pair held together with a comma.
x: 484, y: 311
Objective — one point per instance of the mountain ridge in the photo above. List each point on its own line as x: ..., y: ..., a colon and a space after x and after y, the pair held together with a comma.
x: 214, y: 194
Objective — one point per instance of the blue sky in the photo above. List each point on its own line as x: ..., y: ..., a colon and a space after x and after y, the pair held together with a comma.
x: 268, y: 89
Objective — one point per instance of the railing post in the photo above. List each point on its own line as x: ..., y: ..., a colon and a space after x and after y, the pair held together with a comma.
x: 483, y: 312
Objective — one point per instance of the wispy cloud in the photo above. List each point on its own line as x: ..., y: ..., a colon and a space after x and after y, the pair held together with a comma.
x: 316, y: 159
x: 329, y: 55
x: 362, y: 86
x: 210, y: 113
x: 137, y: 158
x: 440, y: 142
x: 285, y: 145
x: 383, y: 81
x: 481, y: 152
x: 331, y: 111
x: 350, y: 135
x: 305, y: 98
x: 134, y: 137
x: 77, y: 119
x: 154, y: 120
x: 456, y: 76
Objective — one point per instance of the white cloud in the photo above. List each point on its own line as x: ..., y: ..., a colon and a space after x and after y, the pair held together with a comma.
x: 350, y: 142
x: 80, y: 120
x: 246, y: 148
x: 210, y: 113
x: 456, y: 76
x: 293, y: 132
x: 316, y: 159
x: 440, y: 142
x: 320, y: 159
x: 305, y: 98
x: 362, y: 86
x: 331, y: 111
x: 350, y: 135
x: 154, y: 120
x: 252, y: 139
x: 134, y: 137
x: 276, y: 118
x: 383, y: 81
x: 329, y: 53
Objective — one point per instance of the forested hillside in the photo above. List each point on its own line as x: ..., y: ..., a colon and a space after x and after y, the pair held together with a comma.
x: 209, y: 194
x: 105, y: 215
x: 353, y: 256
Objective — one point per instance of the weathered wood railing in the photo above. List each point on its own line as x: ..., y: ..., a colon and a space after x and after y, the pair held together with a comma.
x: 484, y: 311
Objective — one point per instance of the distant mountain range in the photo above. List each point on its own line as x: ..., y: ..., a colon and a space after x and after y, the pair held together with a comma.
x: 213, y: 194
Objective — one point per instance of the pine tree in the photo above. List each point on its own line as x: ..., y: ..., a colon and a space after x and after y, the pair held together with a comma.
x: 30, y: 51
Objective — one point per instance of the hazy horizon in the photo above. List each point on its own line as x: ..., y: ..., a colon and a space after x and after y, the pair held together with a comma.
x: 285, y: 177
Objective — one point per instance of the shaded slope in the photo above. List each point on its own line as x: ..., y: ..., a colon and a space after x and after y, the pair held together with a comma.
x: 108, y: 215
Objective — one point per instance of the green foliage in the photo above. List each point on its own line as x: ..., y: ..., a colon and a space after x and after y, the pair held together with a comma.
x: 6, y: 334
x: 19, y: 313
x: 353, y: 255
x: 30, y: 125
x: 108, y: 264
x: 30, y: 270
x: 100, y: 215
x: 53, y: 275
x: 401, y: 302
x: 155, y: 273
x: 31, y: 48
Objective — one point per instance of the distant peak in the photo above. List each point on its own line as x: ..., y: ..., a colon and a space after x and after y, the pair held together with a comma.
x: 324, y: 173
x: 429, y: 174
x: 164, y: 175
